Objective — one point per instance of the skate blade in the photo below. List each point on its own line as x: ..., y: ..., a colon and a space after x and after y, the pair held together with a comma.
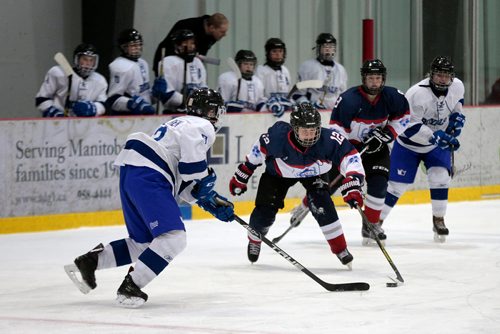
x: 439, y: 238
x: 129, y: 302
x: 71, y: 271
x: 349, y: 266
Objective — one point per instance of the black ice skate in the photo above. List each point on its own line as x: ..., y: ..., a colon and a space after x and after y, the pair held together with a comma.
x: 86, y: 265
x: 253, y: 250
x: 440, y: 229
x: 129, y: 295
x: 346, y: 258
x: 369, y: 234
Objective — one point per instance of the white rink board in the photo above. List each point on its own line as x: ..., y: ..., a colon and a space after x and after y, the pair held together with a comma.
x: 65, y: 165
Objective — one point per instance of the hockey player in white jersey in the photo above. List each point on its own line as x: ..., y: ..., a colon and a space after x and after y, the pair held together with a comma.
x: 324, y: 68
x: 182, y: 73
x: 129, y: 87
x: 247, y: 93
x: 88, y: 88
x: 436, y: 122
x: 157, y: 172
x: 275, y: 77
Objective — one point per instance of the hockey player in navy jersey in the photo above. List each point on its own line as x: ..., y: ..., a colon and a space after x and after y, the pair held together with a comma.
x: 371, y: 116
x: 129, y: 87
x: 301, y: 151
x: 157, y: 171
x: 431, y: 137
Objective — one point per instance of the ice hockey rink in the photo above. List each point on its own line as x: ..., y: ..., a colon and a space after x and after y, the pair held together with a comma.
x: 453, y: 287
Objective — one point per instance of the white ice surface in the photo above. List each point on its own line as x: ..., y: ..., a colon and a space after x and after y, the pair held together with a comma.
x: 211, y: 287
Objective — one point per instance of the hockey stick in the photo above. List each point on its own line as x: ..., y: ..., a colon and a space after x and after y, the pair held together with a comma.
x: 234, y: 67
x: 160, y: 73
x: 297, y: 223
x: 209, y: 60
x: 68, y: 70
x: 303, y: 85
x: 184, y: 86
x: 337, y: 287
x: 379, y: 243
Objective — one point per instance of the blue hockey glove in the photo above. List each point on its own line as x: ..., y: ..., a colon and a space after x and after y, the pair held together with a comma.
x: 205, y: 186
x: 286, y: 103
x: 376, y: 140
x: 274, y: 106
x: 444, y: 141
x: 455, y: 124
x: 351, y: 191
x: 138, y: 106
x: 159, y: 90
x: 218, y: 206
x: 235, y: 106
x: 84, y: 109
x: 53, y: 112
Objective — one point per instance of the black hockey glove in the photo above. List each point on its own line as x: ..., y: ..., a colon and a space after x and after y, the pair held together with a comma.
x: 377, y: 139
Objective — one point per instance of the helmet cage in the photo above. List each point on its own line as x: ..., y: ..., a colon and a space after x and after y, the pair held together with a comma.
x: 130, y: 38
x: 441, y: 65
x: 208, y: 104
x: 85, y: 50
x: 246, y: 56
x: 374, y: 66
x: 305, y: 115
x: 273, y: 44
x: 324, y: 39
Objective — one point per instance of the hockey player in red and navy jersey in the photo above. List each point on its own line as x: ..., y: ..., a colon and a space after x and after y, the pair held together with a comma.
x: 371, y: 116
x: 304, y: 152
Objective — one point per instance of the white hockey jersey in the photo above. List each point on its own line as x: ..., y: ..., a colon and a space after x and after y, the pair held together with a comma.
x: 128, y: 78
x: 276, y: 82
x: 178, y: 150
x: 55, y: 87
x: 251, y: 92
x: 173, y: 71
x: 334, y: 82
x: 429, y: 113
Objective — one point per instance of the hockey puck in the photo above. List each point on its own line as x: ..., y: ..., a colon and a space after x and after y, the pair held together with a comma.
x: 391, y: 284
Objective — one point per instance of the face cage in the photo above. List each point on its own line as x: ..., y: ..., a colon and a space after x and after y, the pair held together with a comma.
x: 442, y: 87
x: 326, y: 56
x: 217, y: 120
x: 373, y: 91
x: 85, y: 71
x: 136, y: 54
x: 307, y: 142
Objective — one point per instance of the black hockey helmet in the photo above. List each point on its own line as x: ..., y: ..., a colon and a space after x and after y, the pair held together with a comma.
x: 373, y: 66
x: 127, y: 36
x: 246, y: 56
x: 305, y: 115
x: 273, y: 44
x: 442, y: 64
x: 89, y: 50
x: 206, y: 103
x: 180, y: 36
x: 325, y: 38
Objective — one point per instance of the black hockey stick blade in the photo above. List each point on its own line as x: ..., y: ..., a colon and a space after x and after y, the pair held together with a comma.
x: 337, y: 287
x: 278, y: 238
x: 380, y: 245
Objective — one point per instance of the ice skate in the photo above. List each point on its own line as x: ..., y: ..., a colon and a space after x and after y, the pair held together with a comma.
x: 129, y: 295
x: 369, y: 237
x: 298, y: 214
x: 346, y: 258
x: 86, y: 265
x: 440, y: 229
x: 253, y: 250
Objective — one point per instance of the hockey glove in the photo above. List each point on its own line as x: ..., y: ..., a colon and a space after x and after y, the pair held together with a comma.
x: 238, y: 183
x: 138, y: 106
x: 455, y: 124
x: 286, y: 103
x: 205, y: 186
x: 351, y: 191
x: 444, y: 141
x: 159, y: 90
x: 377, y: 139
x: 84, y: 109
x: 274, y: 106
x: 235, y: 106
x: 53, y: 112
x: 218, y: 206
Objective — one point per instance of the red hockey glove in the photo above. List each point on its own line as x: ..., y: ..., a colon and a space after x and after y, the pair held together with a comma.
x: 351, y: 191
x: 238, y: 183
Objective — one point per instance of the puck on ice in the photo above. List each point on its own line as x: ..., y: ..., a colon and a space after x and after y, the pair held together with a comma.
x: 391, y: 285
